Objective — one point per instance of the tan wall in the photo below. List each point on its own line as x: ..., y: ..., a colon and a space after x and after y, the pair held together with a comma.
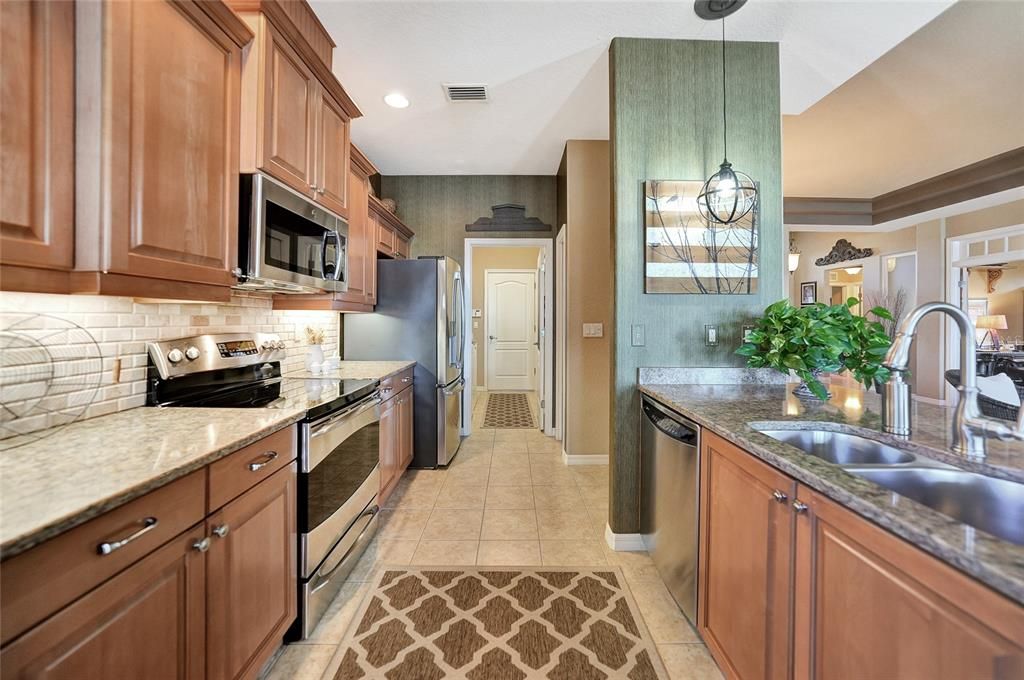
x: 1008, y: 299
x: 996, y: 217
x: 589, y: 255
x: 510, y: 257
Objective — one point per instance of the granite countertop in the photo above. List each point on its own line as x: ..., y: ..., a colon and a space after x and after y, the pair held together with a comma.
x: 729, y: 410
x: 77, y: 472
x: 353, y: 370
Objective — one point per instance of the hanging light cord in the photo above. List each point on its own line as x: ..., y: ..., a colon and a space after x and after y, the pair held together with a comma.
x: 725, y: 119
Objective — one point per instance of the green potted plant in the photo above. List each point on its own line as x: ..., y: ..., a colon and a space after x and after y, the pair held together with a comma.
x: 816, y: 339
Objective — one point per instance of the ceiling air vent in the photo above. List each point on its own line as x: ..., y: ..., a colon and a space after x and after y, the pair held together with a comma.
x: 465, y: 92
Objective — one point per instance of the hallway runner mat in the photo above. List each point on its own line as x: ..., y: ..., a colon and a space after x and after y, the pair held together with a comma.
x: 493, y: 623
x: 508, y: 410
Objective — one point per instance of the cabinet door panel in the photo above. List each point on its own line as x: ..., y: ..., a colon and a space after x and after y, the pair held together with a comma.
x: 332, y: 156
x: 147, y: 622
x: 870, y: 605
x: 174, y: 80
x: 389, y: 443
x: 358, y: 236
x: 385, y: 238
x: 37, y: 133
x: 290, y: 116
x: 252, y: 576
x: 406, y: 452
x: 745, y: 561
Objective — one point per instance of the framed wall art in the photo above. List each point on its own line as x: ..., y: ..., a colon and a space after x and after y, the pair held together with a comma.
x: 808, y: 292
x: 684, y: 253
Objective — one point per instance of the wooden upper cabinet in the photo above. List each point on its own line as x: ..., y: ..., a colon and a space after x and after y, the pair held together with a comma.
x: 251, y: 577
x: 869, y: 605
x: 146, y: 622
x: 332, y: 156
x: 290, y: 106
x: 37, y: 143
x: 747, y: 530
x: 163, y: 143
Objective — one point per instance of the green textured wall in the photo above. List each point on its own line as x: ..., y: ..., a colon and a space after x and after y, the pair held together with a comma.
x: 666, y: 123
x: 438, y: 207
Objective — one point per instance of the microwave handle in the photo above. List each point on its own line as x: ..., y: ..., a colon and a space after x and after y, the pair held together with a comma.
x: 328, y: 236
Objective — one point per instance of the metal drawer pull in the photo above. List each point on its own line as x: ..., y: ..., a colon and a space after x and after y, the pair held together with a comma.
x: 325, y: 578
x: 799, y: 507
x: 202, y: 545
x: 386, y: 390
x: 221, y: 531
x: 268, y: 458
x: 779, y: 496
x: 407, y: 379
x: 106, y: 548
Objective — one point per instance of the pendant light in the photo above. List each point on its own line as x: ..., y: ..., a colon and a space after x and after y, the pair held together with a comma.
x: 728, y: 195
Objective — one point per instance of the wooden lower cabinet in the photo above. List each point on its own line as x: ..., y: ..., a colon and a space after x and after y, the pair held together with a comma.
x: 795, y: 585
x: 396, y: 446
x: 147, y: 622
x: 745, y: 561
x: 251, y: 577
x: 869, y: 605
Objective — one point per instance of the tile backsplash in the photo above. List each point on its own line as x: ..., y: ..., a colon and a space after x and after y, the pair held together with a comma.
x: 51, y: 373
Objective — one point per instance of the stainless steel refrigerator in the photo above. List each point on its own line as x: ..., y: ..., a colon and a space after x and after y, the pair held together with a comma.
x: 420, y: 316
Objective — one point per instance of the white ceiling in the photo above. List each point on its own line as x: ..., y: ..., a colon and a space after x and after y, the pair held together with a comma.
x: 546, y: 67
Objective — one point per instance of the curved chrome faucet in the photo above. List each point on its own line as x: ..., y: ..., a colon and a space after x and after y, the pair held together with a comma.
x: 970, y: 428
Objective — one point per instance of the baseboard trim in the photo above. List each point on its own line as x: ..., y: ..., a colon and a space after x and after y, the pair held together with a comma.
x: 598, y: 459
x: 623, y: 542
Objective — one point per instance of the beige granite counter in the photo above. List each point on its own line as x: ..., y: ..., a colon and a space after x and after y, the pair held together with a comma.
x: 74, y: 473
x: 735, y: 411
x: 357, y: 370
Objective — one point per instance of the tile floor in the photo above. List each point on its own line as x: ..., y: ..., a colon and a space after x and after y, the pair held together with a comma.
x: 507, y: 499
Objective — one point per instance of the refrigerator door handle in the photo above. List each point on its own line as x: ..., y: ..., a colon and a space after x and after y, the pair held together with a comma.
x: 454, y: 388
x: 461, y: 301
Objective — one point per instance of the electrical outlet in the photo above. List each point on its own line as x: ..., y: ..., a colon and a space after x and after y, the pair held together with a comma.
x: 593, y: 330
x: 710, y: 335
x: 476, y: 324
x: 638, y: 335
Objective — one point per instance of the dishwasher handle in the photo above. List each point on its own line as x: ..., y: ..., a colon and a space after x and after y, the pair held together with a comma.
x: 671, y: 426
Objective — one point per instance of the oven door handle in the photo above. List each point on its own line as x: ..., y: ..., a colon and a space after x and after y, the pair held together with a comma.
x: 325, y: 426
x: 326, y: 578
x: 324, y: 438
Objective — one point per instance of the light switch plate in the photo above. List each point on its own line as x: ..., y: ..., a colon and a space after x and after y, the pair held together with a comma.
x: 477, y: 313
x: 638, y: 335
x: 593, y: 330
x: 710, y: 335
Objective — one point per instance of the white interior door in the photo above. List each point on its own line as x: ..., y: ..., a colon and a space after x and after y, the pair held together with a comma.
x: 540, y: 312
x: 511, y: 317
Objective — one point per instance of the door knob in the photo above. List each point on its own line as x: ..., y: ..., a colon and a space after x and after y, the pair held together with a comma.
x: 492, y: 337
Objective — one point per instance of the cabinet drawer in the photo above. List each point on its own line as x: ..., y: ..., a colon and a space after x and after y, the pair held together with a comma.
x: 232, y: 476
x: 393, y: 384
x: 40, y: 581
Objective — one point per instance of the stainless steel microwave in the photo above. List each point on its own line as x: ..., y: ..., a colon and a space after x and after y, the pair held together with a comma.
x: 286, y: 242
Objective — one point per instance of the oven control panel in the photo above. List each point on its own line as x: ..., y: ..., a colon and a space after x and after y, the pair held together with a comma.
x: 237, y: 348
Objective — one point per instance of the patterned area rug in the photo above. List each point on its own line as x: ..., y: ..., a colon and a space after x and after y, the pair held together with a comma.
x: 508, y: 410
x: 497, y: 623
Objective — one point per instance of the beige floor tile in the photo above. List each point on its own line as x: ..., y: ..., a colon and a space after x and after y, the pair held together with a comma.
x: 471, y: 459
x: 564, y: 524
x: 660, y: 612
x: 453, y: 525
x: 595, y: 495
x: 380, y: 552
x: 598, y: 521
x: 514, y: 435
x: 510, y: 447
x: 423, y: 479
x: 545, y: 446
x: 513, y: 453
x: 474, y: 446
x: 468, y: 475
x: 445, y: 552
x: 563, y: 497
x: 504, y: 473
x: 410, y: 497
x: 572, y: 554
x: 402, y: 524
x: 334, y: 624
x: 509, y: 525
x: 689, y: 662
x: 591, y: 475
x: 509, y: 497
x: 461, y: 496
x: 480, y: 436
x: 302, y: 662
x: 509, y: 553
x: 636, y: 565
x: 546, y: 459
x: 552, y: 474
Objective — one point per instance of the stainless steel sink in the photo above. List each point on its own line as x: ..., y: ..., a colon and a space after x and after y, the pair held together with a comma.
x: 841, y: 448
x: 993, y: 505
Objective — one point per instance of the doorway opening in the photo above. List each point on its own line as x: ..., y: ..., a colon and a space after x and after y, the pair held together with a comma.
x: 509, y: 295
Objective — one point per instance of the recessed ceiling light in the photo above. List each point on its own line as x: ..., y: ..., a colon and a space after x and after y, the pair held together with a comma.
x: 396, y: 100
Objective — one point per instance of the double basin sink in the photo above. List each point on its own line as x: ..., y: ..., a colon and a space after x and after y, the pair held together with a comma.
x: 993, y: 505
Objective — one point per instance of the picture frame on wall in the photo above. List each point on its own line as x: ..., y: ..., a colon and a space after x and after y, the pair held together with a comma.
x: 808, y: 292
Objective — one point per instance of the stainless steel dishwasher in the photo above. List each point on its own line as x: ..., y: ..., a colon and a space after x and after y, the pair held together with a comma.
x: 669, y: 499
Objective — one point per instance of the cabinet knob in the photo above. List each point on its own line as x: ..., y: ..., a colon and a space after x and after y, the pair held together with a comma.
x: 779, y: 496
x: 202, y: 545
x: 312, y: 187
x: 221, y: 531
x: 319, y: 190
x: 799, y: 507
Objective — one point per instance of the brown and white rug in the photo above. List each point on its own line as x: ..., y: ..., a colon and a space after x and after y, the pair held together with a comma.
x: 508, y: 410
x: 497, y: 623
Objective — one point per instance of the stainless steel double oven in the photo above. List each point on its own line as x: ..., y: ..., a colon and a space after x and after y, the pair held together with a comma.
x: 339, y: 477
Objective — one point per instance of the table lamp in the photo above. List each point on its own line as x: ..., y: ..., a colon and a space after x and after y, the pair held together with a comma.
x: 992, y: 324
